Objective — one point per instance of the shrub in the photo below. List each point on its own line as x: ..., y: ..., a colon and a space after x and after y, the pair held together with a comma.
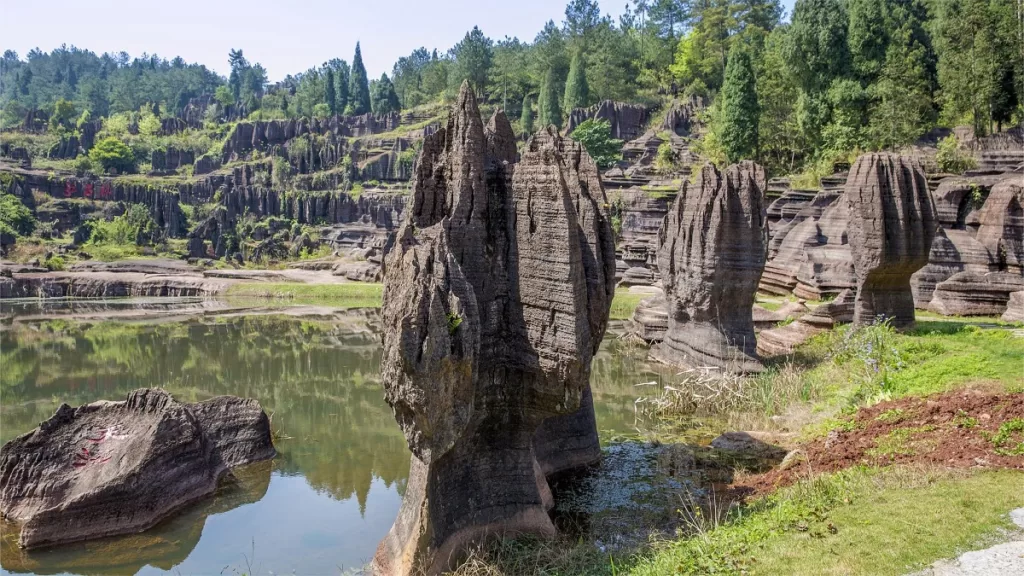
x: 83, y: 165
x: 665, y: 161
x: 55, y: 263
x: 113, y: 154
x: 133, y: 227
x: 596, y: 138
x: 951, y: 159
x: 15, y: 216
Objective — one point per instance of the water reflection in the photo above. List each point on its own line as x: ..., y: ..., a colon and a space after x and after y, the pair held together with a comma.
x: 335, y: 487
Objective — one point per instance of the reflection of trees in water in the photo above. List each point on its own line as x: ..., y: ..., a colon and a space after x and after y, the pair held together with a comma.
x: 616, y: 370
x: 319, y: 379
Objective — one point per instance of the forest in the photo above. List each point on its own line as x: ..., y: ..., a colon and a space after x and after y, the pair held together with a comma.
x: 793, y: 91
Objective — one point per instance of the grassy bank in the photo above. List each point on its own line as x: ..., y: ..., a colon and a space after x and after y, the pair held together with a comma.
x: 364, y: 295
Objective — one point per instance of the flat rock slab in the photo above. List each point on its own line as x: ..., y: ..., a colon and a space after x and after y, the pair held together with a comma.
x: 110, y: 468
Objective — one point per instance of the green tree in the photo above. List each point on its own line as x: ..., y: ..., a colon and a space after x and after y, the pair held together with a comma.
x: 223, y: 96
x: 740, y: 111
x: 967, y: 67
x: 576, y: 90
x: 550, y: 111
x: 472, y: 58
x: 868, y: 36
x: 385, y: 99
x: 902, y: 102
x: 329, y: 93
x: 526, y: 116
x: 64, y: 114
x: 15, y: 216
x: 358, y: 87
x: 113, y: 154
x: 781, y: 143
x: 596, y: 138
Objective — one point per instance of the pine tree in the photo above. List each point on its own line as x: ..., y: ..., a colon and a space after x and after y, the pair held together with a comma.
x: 526, y: 117
x: 341, y: 79
x: 576, y: 89
x: 358, y: 87
x: 550, y: 111
x: 902, y: 111
x: 967, y: 64
x: 740, y: 112
x: 329, y: 93
x: 385, y: 99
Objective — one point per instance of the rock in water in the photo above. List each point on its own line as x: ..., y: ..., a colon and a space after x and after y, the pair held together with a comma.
x: 711, y: 254
x: 892, y: 225
x: 111, y: 468
x: 497, y: 292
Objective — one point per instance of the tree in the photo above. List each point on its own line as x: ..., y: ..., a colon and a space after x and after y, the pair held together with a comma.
x: 868, y: 36
x: 384, y: 97
x: 779, y: 137
x: 329, y: 93
x: 358, y: 87
x: 818, y: 48
x: 526, y: 116
x: 576, y: 89
x: 967, y: 68
x: 223, y: 96
x: 473, y: 60
x: 113, y: 154
x: 740, y: 111
x: 549, y: 108
x: 581, y: 19
x: 15, y: 216
x: 902, y: 102
x: 596, y: 138
x: 341, y: 79
x: 64, y: 114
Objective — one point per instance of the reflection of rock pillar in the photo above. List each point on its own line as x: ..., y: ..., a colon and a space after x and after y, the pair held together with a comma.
x: 711, y: 253
x: 892, y: 225
x: 497, y: 294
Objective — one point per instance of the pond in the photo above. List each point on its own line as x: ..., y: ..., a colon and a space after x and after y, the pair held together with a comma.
x: 334, y: 489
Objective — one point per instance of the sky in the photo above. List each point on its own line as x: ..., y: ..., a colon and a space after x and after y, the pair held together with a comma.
x: 286, y: 36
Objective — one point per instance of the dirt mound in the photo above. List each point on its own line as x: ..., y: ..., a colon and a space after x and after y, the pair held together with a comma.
x: 961, y: 429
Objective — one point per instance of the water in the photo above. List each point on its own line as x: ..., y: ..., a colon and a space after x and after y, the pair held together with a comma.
x: 334, y: 489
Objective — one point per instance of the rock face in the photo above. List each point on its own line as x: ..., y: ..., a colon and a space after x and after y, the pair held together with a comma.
x: 975, y: 294
x: 784, y: 339
x: 711, y: 254
x: 111, y: 468
x: 1001, y: 225
x: 498, y: 290
x: 891, y: 226
x: 1015, y: 308
x: 627, y: 120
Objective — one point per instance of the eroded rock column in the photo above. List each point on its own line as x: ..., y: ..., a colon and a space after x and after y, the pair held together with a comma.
x: 892, y: 225
x: 496, y: 297
x: 711, y: 255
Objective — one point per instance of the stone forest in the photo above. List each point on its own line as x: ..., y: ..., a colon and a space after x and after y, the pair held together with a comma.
x: 722, y: 287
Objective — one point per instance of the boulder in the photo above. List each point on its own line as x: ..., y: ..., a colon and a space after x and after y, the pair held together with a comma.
x: 196, y: 247
x: 891, y: 226
x: 952, y: 251
x: 650, y: 319
x: 711, y: 254
x: 1015, y: 308
x: 110, y: 468
x: 1001, y: 225
x: 974, y: 294
x: 498, y: 289
x: 765, y: 319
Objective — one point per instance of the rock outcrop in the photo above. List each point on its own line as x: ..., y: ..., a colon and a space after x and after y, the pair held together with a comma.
x: 1015, y: 308
x: 111, y: 468
x: 627, y: 121
x: 891, y: 226
x: 1001, y: 225
x: 498, y: 290
x: 975, y: 294
x: 784, y: 339
x: 711, y: 254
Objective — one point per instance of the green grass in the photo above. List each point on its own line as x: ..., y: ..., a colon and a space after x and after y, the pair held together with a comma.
x: 859, y: 521
x: 624, y: 304
x: 347, y: 295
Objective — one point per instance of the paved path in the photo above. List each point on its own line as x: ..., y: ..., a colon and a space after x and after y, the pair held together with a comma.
x: 1005, y: 559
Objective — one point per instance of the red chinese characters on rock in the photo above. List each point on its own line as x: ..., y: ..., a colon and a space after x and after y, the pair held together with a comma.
x: 93, y: 452
x: 105, y: 192
x: 88, y: 190
x: 69, y: 189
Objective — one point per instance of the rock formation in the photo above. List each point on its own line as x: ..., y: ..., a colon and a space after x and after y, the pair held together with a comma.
x: 792, y: 239
x: 975, y: 294
x: 891, y: 226
x: 1015, y: 308
x: 1001, y: 225
x: 627, y: 121
x: 111, y: 468
x: 784, y: 339
x: 711, y: 254
x: 497, y: 290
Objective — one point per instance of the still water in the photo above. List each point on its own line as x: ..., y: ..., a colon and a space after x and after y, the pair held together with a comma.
x: 334, y: 489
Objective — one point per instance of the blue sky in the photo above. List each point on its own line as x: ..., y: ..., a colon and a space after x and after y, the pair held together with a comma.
x: 286, y: 36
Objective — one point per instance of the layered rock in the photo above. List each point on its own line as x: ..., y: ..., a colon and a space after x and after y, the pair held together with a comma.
x: 1014, y: 308
x: 498, y: 289
x: 787, y: 249
x: 711, y: 254
x: 891, y: 226
x: 627, y: 121
x: 952, y: 251
x: 1001, y: 225
x: 784, y: 339
x: 111, y: 468
x: 827, y: 267
x: 975, y: 294
x: 650, y: 319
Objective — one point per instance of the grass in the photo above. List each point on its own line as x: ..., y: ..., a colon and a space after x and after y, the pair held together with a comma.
x: 346, y: 295
x: 624, y: 304
x: 842, y: 523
